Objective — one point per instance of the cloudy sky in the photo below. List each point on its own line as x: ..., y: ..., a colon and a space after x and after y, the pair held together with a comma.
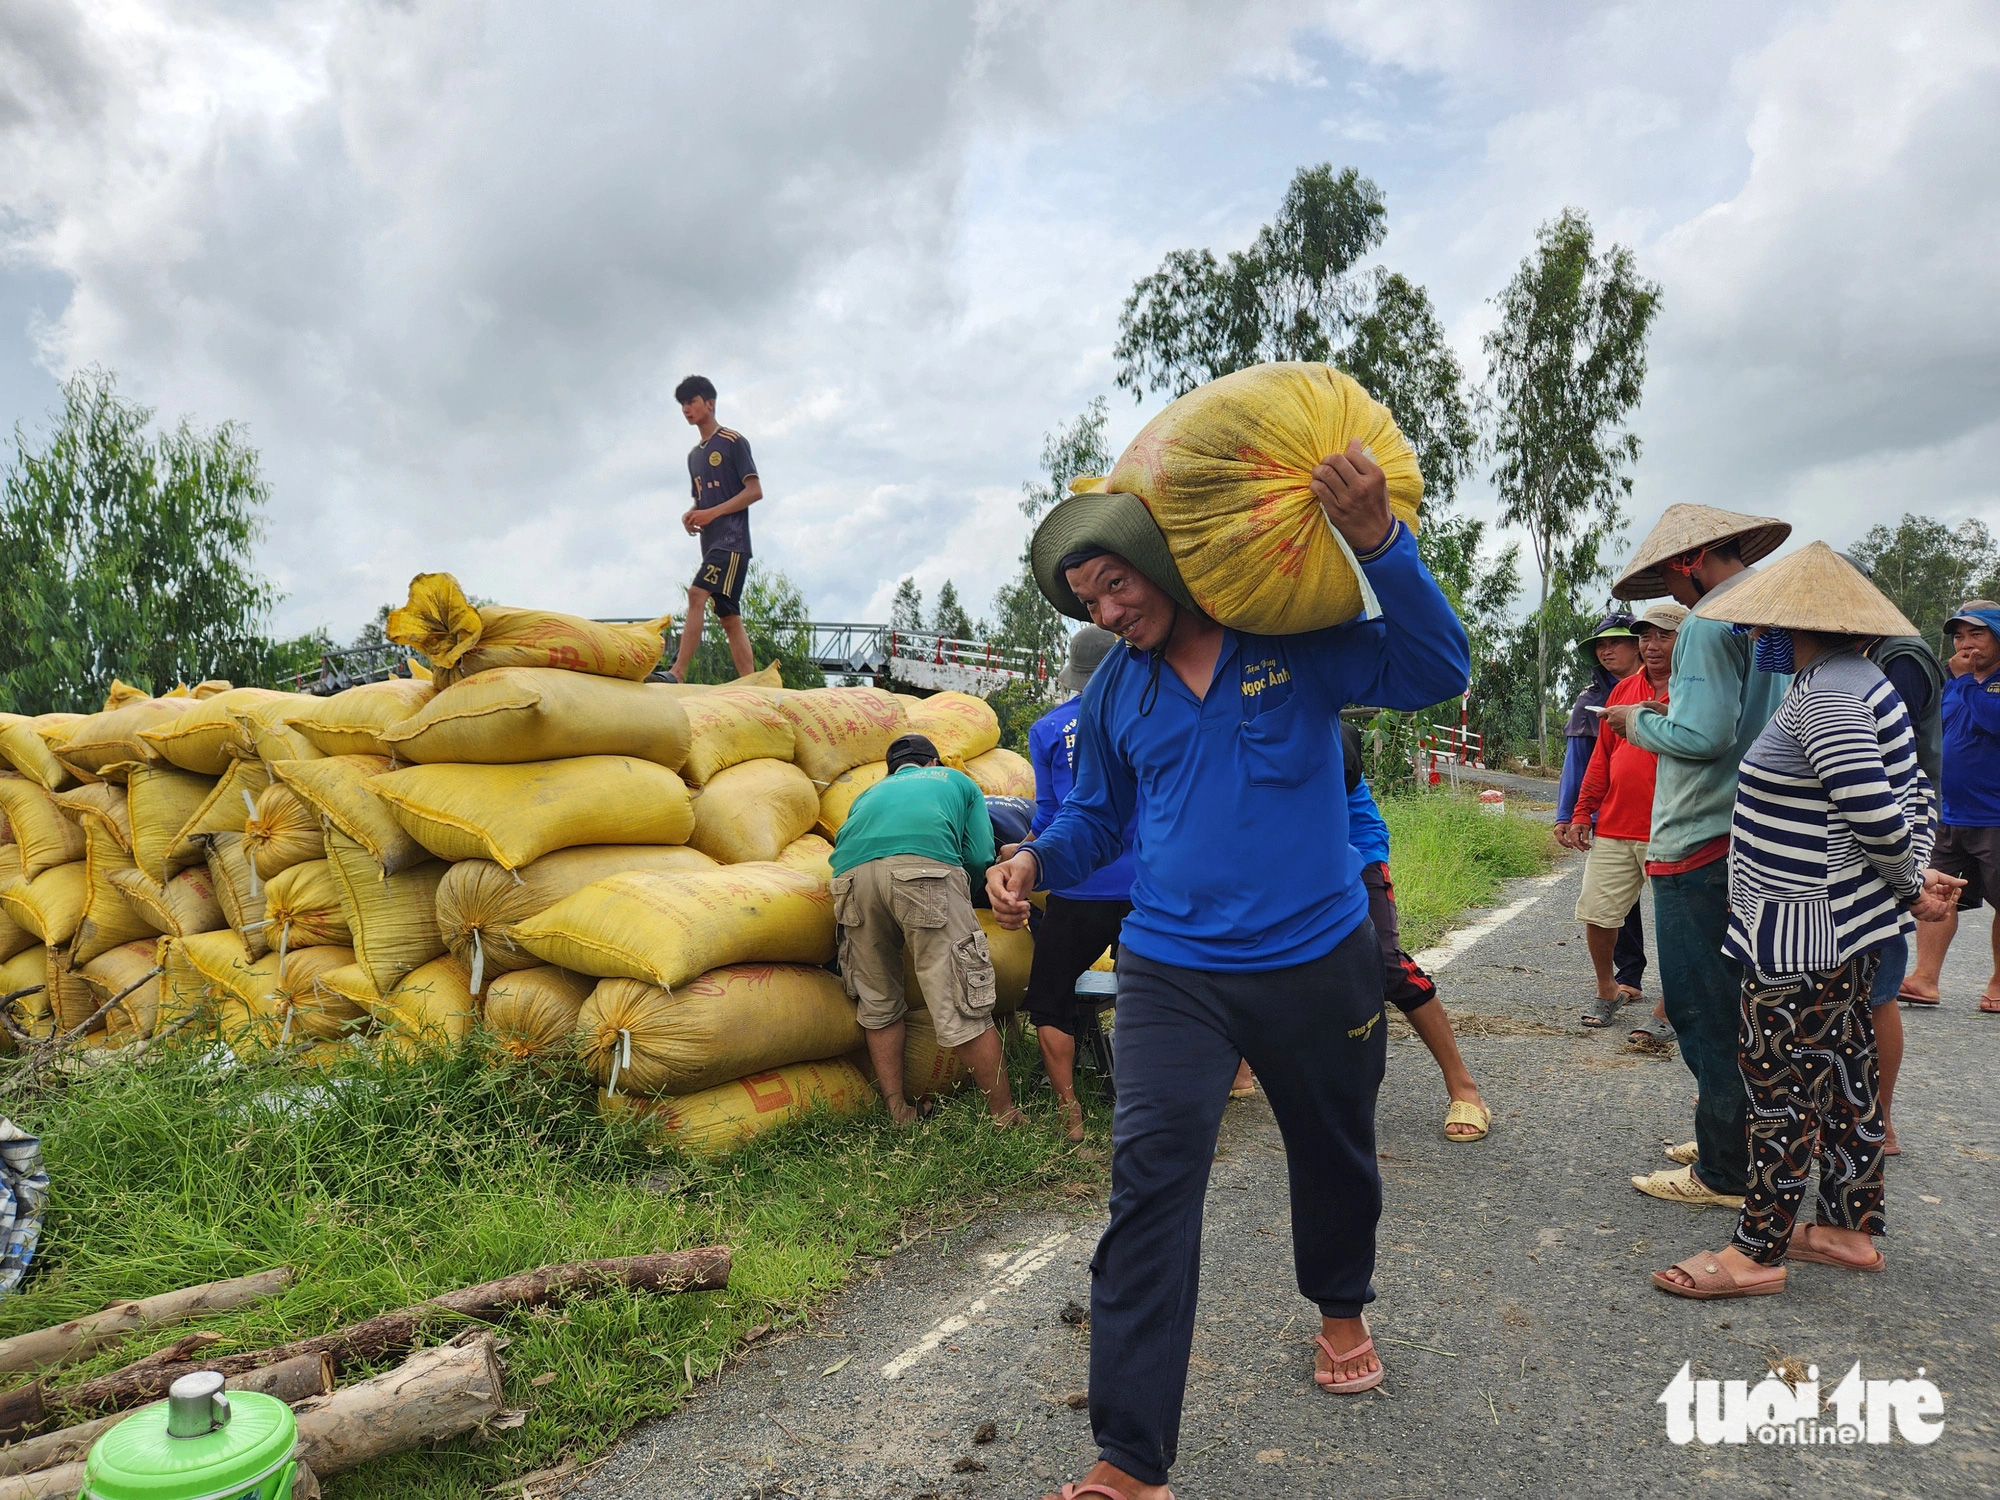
x: 447, y: 261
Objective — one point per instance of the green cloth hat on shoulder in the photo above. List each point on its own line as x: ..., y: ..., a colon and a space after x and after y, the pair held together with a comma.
x: 1096, y: 520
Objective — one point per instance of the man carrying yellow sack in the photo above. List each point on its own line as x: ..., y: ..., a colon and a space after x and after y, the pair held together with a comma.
x: 902, y: 866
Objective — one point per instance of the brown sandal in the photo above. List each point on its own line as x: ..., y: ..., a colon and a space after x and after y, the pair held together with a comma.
x: 1711, y: 1282
x: 1802, y: 1249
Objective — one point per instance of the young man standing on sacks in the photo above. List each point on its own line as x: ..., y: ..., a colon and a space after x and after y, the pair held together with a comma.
x: 902, y: 866
x: 1717, y: 705
x: 1245, y: 939
x: 1082, y: 921
x: 724, y: 480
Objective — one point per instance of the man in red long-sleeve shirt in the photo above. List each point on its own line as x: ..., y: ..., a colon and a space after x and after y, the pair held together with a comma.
x: 1618, y: 790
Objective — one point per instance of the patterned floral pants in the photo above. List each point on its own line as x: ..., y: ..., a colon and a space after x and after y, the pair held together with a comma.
x: 1806, y: 1045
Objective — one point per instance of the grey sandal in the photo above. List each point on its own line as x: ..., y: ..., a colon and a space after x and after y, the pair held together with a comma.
x: 1602, y: 1011
x: 1655, y: 1032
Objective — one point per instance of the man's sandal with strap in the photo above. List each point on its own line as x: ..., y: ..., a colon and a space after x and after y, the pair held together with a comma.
x: 1080, y: 1491
x: 1465, y: 1112
x: 1335, y: 1358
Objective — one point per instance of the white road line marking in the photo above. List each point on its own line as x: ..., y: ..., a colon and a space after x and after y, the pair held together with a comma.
x: 1013, y: 1272
x: 1432, y: 959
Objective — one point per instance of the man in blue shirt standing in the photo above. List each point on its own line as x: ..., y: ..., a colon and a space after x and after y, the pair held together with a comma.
x: 1082, y: 921
x: 1249, y: 934
x: 1968, y: 844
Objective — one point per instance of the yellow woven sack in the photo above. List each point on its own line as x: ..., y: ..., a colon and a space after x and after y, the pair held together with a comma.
x: 207, y: 737
x: 514, y: 814
x: 461, y: 640
x: 810, y: 853
x: 392, y: 918
x: 101, y: 805
x: 238, y: 891
x: 838, y: 799
x: 728, y: 726
x: 183, y: 991
x: 770, y: 675
x: 185, y: 904
x: 1225, y: 472
x: 1013, y: 955
x: 10, y: 867
x: 112, y: 974
x: 50, y: 905
x: 532, y: 1012
x: 337, y: 788
x: 224, y: 810
x: 105, y: 744
x: 160, y: 802
x: 666, y: 929
x: 960, y: 725
x: 28, y: 745
x: 751, y: 811
x: 721, y: 1119
x: 306, y: 1008
x: 44, y: 834
x: 122, y: 693
x: 432, y: 1009
x: 302, y: 906
x: 14, y: 938
x: 1002, y: 773
x: 285, y: 832
x: 70, y: 995
x: 32, y: 1013
x: 480, y: 903
x: 262, y: 728
x: 516, y: 714
x: 725, y: 1024
x: 351, y: 723
x: 108, y: 917
x: 837, y: 729
x: 928, y: 1067
x: 243, y: 990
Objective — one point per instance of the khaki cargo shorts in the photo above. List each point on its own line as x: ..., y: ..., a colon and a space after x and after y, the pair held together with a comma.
x: 1614, y: 876
x: 907, y: 900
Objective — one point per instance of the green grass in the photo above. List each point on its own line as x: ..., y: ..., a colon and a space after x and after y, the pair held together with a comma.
x: 412, y: 1180
x: 409, y: 1180
x: 1445, y: 855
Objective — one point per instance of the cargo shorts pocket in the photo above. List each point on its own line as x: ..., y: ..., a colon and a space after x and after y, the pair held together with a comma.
x: 846, y: 917
x: 920, y: 898
x: 973, y: 960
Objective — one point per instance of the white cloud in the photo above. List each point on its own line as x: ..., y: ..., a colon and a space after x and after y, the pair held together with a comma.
x: 447, y: 262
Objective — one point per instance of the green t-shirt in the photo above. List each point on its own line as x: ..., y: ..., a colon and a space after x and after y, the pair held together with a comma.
x: 933, y: 811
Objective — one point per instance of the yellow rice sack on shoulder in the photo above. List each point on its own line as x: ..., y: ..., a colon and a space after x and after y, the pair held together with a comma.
x: 1225, y: 471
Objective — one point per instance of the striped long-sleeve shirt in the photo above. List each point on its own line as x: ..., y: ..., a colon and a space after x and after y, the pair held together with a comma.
x: 1833, y: 825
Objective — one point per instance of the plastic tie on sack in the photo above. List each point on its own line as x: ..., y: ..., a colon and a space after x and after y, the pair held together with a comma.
x: 621, y: 1056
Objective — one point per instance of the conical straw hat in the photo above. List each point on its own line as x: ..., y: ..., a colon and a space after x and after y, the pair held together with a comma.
x: 1686, y: 528
x: 1813, y: 589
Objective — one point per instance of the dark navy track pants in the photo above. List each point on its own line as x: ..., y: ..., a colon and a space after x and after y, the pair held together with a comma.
x: 1316, y: 1036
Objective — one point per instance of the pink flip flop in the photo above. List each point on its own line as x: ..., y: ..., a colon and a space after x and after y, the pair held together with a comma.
x: 1335, y: 1358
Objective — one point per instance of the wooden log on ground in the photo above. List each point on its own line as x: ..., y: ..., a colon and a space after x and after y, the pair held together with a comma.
x: 433, y: 1395
x: 79, y: 1338
x: 374, y: 1339
x: 291, y: 1381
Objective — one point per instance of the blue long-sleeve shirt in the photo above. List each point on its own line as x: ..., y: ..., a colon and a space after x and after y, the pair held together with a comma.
x: 1052, y: 750
x: 1576, y: 760
x: 1971, y: 712
x: 1367, y: 834
x: 1240, y: 794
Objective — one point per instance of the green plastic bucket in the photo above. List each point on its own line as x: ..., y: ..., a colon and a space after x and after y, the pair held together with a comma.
x: 198, y: 1444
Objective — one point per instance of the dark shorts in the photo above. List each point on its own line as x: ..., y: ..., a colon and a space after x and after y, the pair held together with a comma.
x: 1971, y: 855
x: 1404, y: 984
x: 1073, y: 935
x: 720, y: 576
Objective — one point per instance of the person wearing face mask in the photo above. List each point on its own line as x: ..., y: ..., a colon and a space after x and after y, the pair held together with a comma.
x: 1249, y: 935
x: 1833, y: 823
x: 1613, y: 653
x: 1717, y: 704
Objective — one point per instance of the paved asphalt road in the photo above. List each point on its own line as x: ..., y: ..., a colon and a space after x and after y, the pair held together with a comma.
x: 1525, y: 1346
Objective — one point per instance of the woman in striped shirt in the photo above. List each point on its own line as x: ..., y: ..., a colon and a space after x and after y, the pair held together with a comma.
x: 1832, y: 830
